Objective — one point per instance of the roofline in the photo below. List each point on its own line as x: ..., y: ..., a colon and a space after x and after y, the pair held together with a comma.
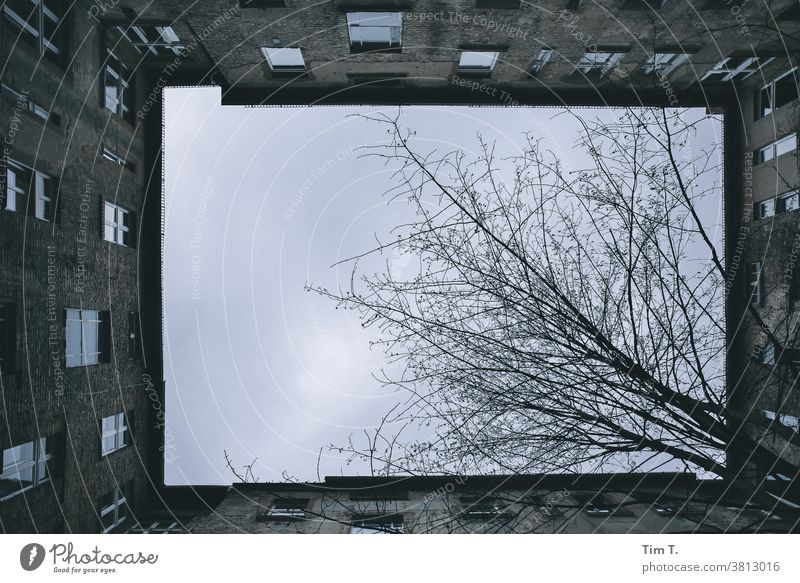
x: 627, y: 481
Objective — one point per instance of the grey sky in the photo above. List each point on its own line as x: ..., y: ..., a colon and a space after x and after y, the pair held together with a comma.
x: 259, y: 202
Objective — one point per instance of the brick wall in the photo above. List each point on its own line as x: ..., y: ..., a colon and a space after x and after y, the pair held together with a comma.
x: 48, y: 267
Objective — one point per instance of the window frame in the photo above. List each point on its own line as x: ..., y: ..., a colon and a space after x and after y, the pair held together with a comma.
x: 170, y: 527
x: 664, y: 510
x: 587, y: 66
x: 120, y: 433
x: 118, y: 226
x: 287, y: 509
x: 789, y: 421
x: 764, y: 208
x: 360, y: 45
x: 540, y: 61
x: 125, y: 87
x: 733, y: 74
x: 275, y: 68
x: 598, y: 510
x: 600, y: 505
x: 755, y: 283
x: 15, y: 168
x: 144, y: 44
x: 110, y: 155
x: 383, y: 524
x: 44, y: 205
x: 42, y: 454
x: 663, y: 68
x: 771, y: 88
x: 777, y: 205
x: 781, y: 202
x: 120, y: 498
x: 767, y: 354
x: 31, y: 105
x: 770, y: 152
x: 37, y: 201
x: 478, y: 69
x: 102, y: 322
x: 482, y: 508
x: 32, y: 30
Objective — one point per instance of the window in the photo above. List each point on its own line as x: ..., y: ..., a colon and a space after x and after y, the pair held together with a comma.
x: 595, y: 509
x: 541, y: 60
x: 375, y: 30
x: 377, y: 525
x: 765, y: 208
x: 158, y: 527
x: 114, y: 433
x: 8, y: 338
x: 113, y: 508
x: 789, y: 421
x: 775, y: 149
x: 110, y: 154
x: 45, y: 199
x: 40, y: 24
x: 287, y: 509
x: 118, y: 90
x: 755, y: 283
x: 26, y: 466
x: 664, y: 63
x: 22, y: 180
x: 134, y: 336
x: 25, y: 102
x: 778, y: 476
x: 18, y: 179
x: 596, y: 62
x: 480, y: 507
x: 786, y: 202
x: 767, y: 354
x: 284, y: 59
x: 477, y: 61
x: 598, y: 505
x: 118, y: 224
x: 87, y: 334
x: 775, y: 94
x: 153, y: 40
x: 732, y: 68
x: 664, y: 510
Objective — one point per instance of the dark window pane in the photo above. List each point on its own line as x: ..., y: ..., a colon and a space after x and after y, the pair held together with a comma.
x: 8, y: 338
x: 785, y: 90
x: 111, y: 97
x: 763, y: 106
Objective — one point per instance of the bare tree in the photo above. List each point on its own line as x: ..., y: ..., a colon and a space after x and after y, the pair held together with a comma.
x: 559, y: 321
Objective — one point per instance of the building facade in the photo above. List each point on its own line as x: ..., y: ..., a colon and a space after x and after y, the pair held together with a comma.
x: 82, y: 412
x: 597, y: 503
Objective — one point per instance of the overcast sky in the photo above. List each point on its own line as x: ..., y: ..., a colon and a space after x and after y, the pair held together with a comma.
x: 259, y: 202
